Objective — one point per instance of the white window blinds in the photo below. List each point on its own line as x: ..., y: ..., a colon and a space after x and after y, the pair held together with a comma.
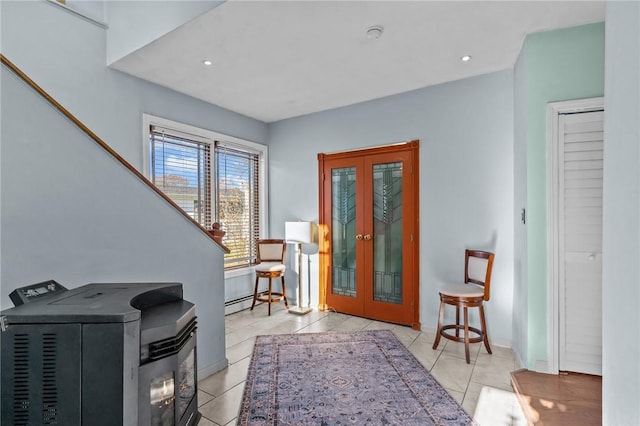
x: 181, y: 168
x: 212, y: 181
x: 238, y: 202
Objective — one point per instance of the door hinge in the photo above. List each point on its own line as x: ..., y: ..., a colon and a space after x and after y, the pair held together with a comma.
x: 411, y: 237
x: 412, y: 306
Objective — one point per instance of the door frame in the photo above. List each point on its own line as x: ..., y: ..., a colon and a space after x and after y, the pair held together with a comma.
x: 323, y: 237
x: 554, y: 110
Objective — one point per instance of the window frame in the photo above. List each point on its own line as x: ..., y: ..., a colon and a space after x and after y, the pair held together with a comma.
x: 211, y: 137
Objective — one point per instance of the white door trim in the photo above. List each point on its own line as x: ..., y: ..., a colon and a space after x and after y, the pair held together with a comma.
x: 554, y: 109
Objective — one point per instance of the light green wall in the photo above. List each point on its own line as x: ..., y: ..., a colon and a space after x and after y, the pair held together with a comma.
x: 561, y: 65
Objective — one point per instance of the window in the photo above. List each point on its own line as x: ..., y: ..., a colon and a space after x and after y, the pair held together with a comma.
x: 181, y: 168
x: 238, y: 202
x: 213, y: 178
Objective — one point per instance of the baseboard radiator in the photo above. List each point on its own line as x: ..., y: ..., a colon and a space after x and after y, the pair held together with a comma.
x: 238, y: 304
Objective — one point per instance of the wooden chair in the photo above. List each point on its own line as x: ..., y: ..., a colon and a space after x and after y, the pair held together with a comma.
x: 471, y: 294
x: 271, y: 255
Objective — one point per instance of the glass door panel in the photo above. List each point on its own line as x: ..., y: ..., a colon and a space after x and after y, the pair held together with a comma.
x: 387, y: 232
x: 343, y: 235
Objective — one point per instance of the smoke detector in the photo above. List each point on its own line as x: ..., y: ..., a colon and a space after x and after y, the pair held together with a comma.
x: 374, y: 32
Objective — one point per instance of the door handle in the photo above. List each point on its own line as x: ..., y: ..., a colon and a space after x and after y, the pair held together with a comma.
x: 359, y: 237
x: 367, y: 237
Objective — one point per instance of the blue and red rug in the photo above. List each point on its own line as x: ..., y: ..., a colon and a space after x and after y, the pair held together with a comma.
x: 343, y: 378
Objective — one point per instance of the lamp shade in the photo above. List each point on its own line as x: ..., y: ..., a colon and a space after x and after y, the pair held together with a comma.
x: 298, y: 232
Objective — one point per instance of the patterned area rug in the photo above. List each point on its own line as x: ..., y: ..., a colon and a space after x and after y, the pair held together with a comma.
x: 351, y: 378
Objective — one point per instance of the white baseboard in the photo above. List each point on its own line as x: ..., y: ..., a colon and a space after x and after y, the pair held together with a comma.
x: 542, y: 367
x: 212, y: 369
x: 519, y: 363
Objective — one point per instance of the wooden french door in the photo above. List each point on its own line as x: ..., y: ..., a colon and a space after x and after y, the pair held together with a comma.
x: 369, y: 233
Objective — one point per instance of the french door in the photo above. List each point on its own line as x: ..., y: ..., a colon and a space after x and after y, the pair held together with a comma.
x: 369, y: 233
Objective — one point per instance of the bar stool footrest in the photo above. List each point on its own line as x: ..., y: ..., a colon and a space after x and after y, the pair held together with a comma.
x: 264, y: 297
x: 460, y: 327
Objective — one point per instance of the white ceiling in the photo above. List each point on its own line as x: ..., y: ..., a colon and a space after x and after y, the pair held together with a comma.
x: 279, y: 59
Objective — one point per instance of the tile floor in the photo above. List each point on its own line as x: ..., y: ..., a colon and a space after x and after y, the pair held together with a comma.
x: 483, y: 387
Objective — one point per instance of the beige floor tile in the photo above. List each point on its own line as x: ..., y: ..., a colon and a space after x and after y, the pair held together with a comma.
x: 239, y: 322
x: 406, y: 335
x: 203, y: 397
x: 452, y: 372
x: 458, y: 396
x: 379, y: 325
x: 498, y: 352
x: 493, y: 371
x: 495, y: 407
x: 224, y: 408
x: 421, y: 348
x: 220, y: 382
x: 471, y: 397
x: 206, y: 422
x: 457, y: 349
x: 239, y: 336
x: 352, y: 324
x: 317, y: 327
x: 241, y: 350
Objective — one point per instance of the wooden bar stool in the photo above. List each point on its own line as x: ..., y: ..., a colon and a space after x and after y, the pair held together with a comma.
x: 271, y: 255
x: 470, y: 294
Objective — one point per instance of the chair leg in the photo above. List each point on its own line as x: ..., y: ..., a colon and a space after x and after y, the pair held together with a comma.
x: 255, y: 294
x: 466, y: 334
x: 484, y: 329
x: 269, y: 296
x: 284, y: 293
x: 457, y: 321
x: 439, y: 330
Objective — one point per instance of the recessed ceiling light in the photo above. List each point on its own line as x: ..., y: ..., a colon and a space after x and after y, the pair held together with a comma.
x: 207, y: 62
x: 374, y: 32
x: 465, y: 58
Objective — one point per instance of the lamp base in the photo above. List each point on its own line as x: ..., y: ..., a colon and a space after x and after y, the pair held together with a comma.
x: 299, y: 310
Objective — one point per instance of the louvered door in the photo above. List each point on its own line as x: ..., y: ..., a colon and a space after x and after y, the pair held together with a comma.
x: 580, y: 241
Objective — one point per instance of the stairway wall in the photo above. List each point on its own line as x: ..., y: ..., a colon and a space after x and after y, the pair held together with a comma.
x: 68, y: 210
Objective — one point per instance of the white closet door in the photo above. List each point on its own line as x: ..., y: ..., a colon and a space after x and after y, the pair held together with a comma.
x: 580, y: 178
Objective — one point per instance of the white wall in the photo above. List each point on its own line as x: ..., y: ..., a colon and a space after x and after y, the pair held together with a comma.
x: 66, y: 56
x: 520, y: 283
x: 465, y: 130
x: 68, y: 211
x: 134, y: 24
x: 621, y: 220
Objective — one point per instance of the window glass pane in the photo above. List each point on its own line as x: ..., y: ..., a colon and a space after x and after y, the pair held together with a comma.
x: 181, y: 169
x: 237, y: 184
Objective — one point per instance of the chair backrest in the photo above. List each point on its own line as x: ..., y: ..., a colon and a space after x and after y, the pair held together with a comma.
x: 477, y: 269
x: 271, y: 250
